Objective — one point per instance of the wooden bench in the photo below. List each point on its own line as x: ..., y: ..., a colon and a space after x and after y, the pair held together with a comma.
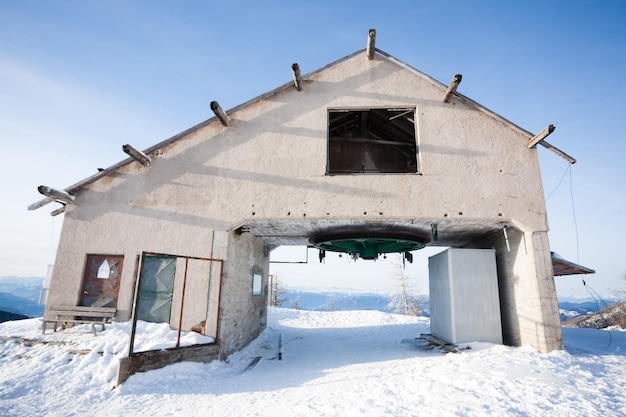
x: 79, y: 314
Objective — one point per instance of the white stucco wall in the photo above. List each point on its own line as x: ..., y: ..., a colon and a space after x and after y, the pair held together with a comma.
x: 271, y: 164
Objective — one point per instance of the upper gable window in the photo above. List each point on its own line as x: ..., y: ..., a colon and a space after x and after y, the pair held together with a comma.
x: 372, y: 141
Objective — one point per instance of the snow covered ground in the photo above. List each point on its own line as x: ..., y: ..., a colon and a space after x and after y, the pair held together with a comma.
x: 344, y: 363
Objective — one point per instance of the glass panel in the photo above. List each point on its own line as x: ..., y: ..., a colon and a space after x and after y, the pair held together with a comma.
x: 256, y: 284
x: 104, y: 271
x: 157, y: 289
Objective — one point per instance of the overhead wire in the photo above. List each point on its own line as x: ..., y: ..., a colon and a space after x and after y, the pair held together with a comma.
x: 597, y: 299
x: 560, y: 181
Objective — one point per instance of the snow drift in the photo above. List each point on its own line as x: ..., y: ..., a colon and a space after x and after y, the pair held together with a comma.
x: 333, y: 364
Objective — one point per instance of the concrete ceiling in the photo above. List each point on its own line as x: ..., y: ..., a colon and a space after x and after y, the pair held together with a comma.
x: 297, y: 232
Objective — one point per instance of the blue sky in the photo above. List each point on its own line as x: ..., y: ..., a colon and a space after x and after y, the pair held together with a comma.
x: 80, y: 78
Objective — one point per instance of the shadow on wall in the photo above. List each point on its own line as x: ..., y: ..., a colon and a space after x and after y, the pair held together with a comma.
x: 145, y: 187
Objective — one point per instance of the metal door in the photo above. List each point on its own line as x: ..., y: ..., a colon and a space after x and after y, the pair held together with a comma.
x: 101, y: 280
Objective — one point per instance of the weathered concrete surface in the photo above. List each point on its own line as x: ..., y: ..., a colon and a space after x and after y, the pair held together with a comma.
x: 528, y: 302
x: 146, y: 361
x: 242, y: 315
x: 475, y: 175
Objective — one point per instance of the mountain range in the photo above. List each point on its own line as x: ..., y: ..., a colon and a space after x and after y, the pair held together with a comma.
x: 19, y: 297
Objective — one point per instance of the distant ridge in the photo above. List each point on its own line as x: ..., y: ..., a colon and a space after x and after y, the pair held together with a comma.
x: 330, y: 299
x: 8, y: 316
x: 612, y: 316
x: 20, y: 296
x: 20, y: 306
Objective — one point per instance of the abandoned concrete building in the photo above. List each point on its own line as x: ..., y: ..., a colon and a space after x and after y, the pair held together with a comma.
x: 366, y: 155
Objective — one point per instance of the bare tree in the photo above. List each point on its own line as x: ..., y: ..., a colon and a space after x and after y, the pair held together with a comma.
x: 277, y: 292
x: 621, y: 293
x: 331, y: 303
x: 619, y: 317
x: 295, y: 304
x: 404, y: 301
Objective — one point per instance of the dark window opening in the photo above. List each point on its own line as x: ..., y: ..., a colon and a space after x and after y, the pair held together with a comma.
x: 372, y: 141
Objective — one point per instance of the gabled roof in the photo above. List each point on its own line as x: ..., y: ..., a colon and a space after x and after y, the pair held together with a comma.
x: 154, y: 148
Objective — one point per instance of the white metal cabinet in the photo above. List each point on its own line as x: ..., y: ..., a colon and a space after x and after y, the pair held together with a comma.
x: 464, y: 299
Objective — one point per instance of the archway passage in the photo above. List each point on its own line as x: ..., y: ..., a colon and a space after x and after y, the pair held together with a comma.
x: 368, y: 239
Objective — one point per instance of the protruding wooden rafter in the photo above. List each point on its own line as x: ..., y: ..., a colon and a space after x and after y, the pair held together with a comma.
x: 58, y: 211
x: 453, y: 86
x: 40, y: 203
x: 541, y: 136
x: 137, y: 155
x: 220, y: 114
x: 55, y: 194
x: 557, y: 151
x: 539, y: 139
x: 371, y: 44
x: 297, y: 78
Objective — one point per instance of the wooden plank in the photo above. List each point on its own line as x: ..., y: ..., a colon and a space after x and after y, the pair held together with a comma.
x: 557, y: 151
x: 58, y: 211
x: 541, y: 136
x: 146, y: 361
x: 220, y: 114
x: 297, y: 77
x: 137, y: 155
x: 60, y: 314
x: 40, y: 203
x: 91, y: 312
x: 371, y: 141
x: 98, y: 309
x: 61, y: 320
x: 80, y: 314
x: 56, y: 194
x: 434, y: 340
x: 371, y: 44
x: 452, y: 88
x: 252, y: 364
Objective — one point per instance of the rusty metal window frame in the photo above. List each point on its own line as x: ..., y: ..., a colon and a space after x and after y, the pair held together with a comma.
x: 137, y: 296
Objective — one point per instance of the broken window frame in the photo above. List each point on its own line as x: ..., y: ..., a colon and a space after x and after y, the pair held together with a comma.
x: 385, y: 137
x: 98, y: 291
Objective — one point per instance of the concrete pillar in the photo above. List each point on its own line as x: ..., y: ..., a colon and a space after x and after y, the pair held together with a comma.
x: 242, y: 314
x: 528, y: 301
x: 545, y: 331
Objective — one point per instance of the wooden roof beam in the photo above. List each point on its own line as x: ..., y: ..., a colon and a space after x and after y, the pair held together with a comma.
x: 557, y: 151
x: 371, y: 44
x: 297, y: 78
x: 541, y: 136
x: 220, y: 114
x: 58, y: 211
x: 55, y: 194
x: 137, y: 155
x: 40, y: 203
x: 452, y: 88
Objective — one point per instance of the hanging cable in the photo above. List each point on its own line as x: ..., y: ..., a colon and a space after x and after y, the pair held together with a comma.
x: 594, y: 294
x: 560, y: 181
x: 571, y: 192
x: 597, y: 300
